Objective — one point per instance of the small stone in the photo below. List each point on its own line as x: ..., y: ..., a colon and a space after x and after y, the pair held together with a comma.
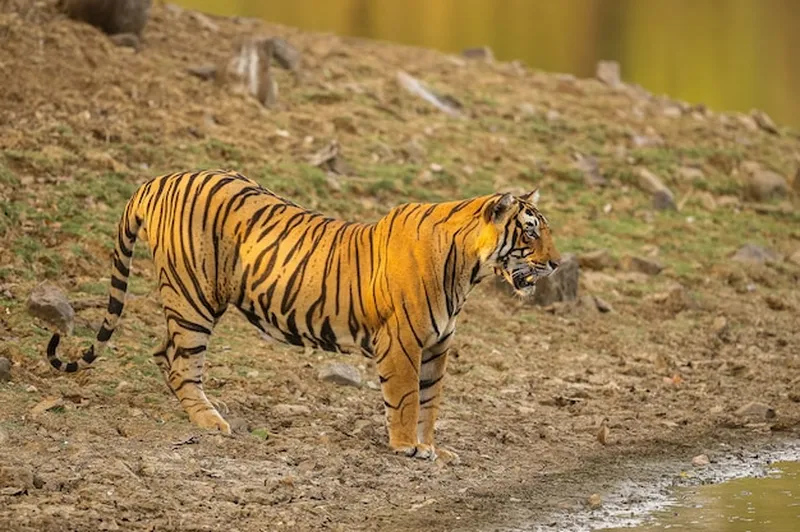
x: 292, y: 410
x: 46, y: 404
x: 701, y: 460
x: 49, y: 303
x: 609, y: 73
x: 719, y: 326
x: 794, y: 258
x: 662, y: 197
x: 5, y: 369
x: 483, y: 53
x: 204, y: 72
x: 672, y: 111
x: 754, y: 409
x: 286, y: 55
x: 339, y: 373
x: 587, y: 301
x: 591, y: 170
x: 205, y: 22
x: 647, y: 141
x: 602, y: 432
x: 761, y: 184
x: 755, y: 254
x: 561, y: 285
x: 239, y: 425
x: 603, y: 305
x: 764, y: 121
x: 126, y: 40
x: 598, y: 259
x: 663, y: 200
x: 594, y: 501
x: 690, y: 173
x: 372, y: 385
x: 641, y: 265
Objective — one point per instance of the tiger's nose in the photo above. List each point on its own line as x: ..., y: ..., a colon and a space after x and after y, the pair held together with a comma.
x: 553, y: 264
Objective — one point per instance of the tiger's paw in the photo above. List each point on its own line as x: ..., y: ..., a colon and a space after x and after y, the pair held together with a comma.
x: 419, y: 450
x: 210, y: 419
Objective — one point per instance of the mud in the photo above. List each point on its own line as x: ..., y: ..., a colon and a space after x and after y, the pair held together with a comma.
x: 82, y: 122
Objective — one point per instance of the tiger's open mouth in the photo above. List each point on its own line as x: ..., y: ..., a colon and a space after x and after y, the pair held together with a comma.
x: 521, y: 280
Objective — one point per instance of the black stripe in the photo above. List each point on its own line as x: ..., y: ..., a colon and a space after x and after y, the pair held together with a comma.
x: 427, y: 383
x: 114, y: 306
x: 119, y: 284
x: 104, y: 333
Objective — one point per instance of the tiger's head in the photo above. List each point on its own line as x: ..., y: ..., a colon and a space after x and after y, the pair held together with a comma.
x: 524, y: 251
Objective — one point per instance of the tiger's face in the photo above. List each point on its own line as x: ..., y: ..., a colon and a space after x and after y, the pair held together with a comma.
x: 525, y: 249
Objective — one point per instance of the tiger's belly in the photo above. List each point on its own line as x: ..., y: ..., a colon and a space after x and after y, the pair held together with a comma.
x: 326, y: 333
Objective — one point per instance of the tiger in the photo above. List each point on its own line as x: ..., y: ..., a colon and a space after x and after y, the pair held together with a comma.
x: 391, y: 290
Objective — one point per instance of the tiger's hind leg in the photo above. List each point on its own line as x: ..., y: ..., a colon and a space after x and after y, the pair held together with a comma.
x: 185, y: 355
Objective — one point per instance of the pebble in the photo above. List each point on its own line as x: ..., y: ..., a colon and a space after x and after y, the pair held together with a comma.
x: 639, y: 264
x: 50, y: 304
x: 755, y: 409
x: 701, y: 460
x: 340, y: 373
x: 755, y: 254
x: 594, y: 501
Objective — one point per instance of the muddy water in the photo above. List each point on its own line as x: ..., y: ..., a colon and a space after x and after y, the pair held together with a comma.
x: 767, y: 504
x: 735, y: 54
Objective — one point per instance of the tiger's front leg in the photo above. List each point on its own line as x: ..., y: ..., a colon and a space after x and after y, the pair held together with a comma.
x: 398, y: 362
x: 432, y: 371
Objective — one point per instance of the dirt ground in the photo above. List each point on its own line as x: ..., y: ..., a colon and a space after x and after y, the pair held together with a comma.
x: 82, y: 122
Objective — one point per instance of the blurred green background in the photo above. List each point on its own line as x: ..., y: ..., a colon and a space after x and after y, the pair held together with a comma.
x: 728, y: 54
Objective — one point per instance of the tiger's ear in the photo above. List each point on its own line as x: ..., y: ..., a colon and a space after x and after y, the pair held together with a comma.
x: 531, y: 197
x: 499, y: 208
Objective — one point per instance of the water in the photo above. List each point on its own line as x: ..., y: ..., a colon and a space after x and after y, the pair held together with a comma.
x: 767, y: 504
x: 728, y: 54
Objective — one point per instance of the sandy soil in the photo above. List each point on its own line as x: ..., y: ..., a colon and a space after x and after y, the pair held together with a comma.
x: 82, y: 122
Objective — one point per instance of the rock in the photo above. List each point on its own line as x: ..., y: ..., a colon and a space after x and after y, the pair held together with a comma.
x: 126, y: 40
x: 756, y: 410
x: 46, y: 404
x: 701, y: 460
x: 672, y: 111
x: 603, y: 305
x: 5, y: 369
x: 641, y: 265
x: 598, y: 259
x: 561, y: 285
x: 340, y: 373
x: 48, y: 303
x: 763, y: 121
x: 594, y: 501
x: 300, y: 410
x: 249, y: 70
x: 239, y: 425
x: 602, y: 432
x: 794, y: 258
x: 649, y: 182
x: 677, y: 299
x: 647, y: 141
x: 483, y: 53
x: 761, y: 184
x: 609, y: 73
x: 590, y: 169
x: 690, y: 173
x: 204, y: 22
x: 755, y: 254
x: 111, y: 16
x: 663, y: 200
x: 719, y: 327
x: 204, y: 72
x: 286, y: 55
x: 419, y: 89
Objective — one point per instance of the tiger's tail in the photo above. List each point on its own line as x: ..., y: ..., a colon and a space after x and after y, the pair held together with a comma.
x: 129, y: 225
